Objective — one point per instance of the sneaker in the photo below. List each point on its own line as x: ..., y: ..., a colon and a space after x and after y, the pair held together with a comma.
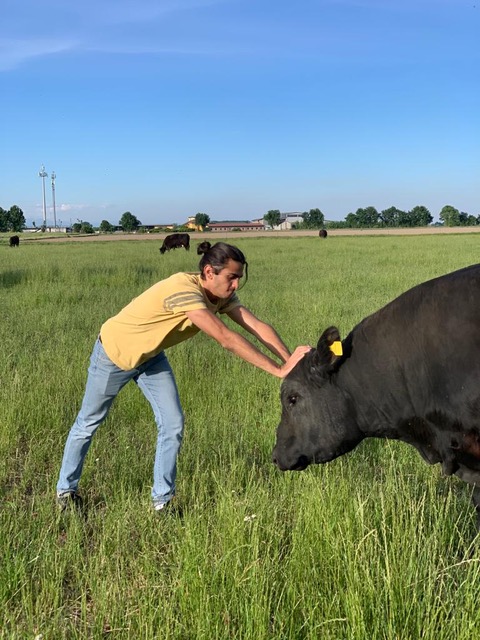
x: 69, y: 499
x: 168, y: 508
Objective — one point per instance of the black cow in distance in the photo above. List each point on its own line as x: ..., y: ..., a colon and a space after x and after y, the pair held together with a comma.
x: 175, y: 241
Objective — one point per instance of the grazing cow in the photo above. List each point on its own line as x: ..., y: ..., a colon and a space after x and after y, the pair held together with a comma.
x: 323, y: 233
x: 203, y: 247
x: 175, y: 241
x: 410, y: 372
x: 14, y: 241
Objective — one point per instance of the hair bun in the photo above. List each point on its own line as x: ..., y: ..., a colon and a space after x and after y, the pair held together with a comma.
x: 203, y: 247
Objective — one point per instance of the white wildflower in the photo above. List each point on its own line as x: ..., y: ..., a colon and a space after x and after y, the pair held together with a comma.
x: 250, y: 518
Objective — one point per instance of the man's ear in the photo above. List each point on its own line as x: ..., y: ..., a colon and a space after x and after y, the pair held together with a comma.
x: 208, y: 271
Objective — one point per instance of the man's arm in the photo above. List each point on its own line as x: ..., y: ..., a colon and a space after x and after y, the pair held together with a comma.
x: 264, y: 332
x: 208, y: 322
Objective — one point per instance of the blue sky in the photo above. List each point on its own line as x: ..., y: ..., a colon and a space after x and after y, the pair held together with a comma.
x: 166, y: 108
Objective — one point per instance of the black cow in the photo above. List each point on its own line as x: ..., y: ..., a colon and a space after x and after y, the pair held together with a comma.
x: 175, y: 241
x: 14, y: 241
x: 323, y: 233
x: 410, y: 372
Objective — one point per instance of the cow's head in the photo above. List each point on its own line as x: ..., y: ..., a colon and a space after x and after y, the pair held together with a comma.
x: 318, y: 422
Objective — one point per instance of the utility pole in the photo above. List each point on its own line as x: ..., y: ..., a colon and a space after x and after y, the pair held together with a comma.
x: 43, y: 174
x: 53, y: 176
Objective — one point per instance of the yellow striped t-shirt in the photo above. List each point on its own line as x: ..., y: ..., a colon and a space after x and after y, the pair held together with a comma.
x: 156, y: 320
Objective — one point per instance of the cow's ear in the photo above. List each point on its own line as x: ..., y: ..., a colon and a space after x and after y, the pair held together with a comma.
x: 329, y: 350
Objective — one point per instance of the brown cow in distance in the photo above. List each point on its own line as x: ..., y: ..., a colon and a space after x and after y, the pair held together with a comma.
x: 14, y: 241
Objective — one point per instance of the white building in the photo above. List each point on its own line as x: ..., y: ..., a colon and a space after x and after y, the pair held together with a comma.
x: 287, y: 220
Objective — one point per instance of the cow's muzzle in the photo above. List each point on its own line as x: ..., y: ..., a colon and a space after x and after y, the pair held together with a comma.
x: 298, y: 463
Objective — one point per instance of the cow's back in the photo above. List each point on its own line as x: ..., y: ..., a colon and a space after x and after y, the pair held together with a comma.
x: 422, y: 350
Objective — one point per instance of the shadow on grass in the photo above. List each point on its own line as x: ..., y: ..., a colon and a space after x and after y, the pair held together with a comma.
x: 11, y: 278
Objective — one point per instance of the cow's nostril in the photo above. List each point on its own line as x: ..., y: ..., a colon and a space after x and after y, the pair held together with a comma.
x: 302, y: 463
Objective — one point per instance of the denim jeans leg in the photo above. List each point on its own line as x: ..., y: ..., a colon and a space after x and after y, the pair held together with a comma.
x: 158, y: 385
x: 104, y: 382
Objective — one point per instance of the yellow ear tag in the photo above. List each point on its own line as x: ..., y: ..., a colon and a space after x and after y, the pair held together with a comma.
x: 336, y: 348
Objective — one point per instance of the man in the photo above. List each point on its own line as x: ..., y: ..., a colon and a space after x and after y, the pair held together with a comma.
x: 131, y: 347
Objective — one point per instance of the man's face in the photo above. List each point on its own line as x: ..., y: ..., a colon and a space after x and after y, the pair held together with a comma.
x: 224, y: 283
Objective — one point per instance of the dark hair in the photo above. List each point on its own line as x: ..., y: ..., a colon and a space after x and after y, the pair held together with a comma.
x: 218, y: 255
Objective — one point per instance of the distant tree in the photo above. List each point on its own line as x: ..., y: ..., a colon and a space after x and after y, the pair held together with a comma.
x: 3, y: 220
x: 390, y: 217
x: 106, y: 227
x: 405, y: 219
x: 86, y: 227
x: 272, y: 218
x: 367, y: 217
x: 129, y: 222
x: 76, y: 227
x: 351, y: 221
x: 201, y: 220
x: 450, y: 216
x: 16, y: 219
x: 314, y: 219
x: 466, y: 220
x: 336, y: 224
x: 420, y: 216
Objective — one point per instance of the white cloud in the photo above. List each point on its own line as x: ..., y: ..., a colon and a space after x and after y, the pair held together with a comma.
x: 126, y: 11
x: 94, y: 26
x: 15, y: 52
x: 72, y: 207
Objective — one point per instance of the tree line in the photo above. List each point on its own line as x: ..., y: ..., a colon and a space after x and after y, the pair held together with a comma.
x: 392, y: 217
x: 369, y: 217
x: 13, y: 219
x: 127, y: 222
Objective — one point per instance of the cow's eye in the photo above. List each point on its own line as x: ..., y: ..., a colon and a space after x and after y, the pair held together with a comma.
x: 292, y: 400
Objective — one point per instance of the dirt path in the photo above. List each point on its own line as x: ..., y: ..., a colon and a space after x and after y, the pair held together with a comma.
x: 216, y: 236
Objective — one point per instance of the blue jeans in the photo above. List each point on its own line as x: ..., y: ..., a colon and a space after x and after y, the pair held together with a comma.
x: 157, y: 383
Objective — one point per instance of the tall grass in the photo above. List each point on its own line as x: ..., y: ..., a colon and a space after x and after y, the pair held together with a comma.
x: 375, y: 545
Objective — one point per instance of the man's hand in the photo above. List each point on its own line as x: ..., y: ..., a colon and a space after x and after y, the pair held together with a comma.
x: 208, y: 322
x: 294, y: 359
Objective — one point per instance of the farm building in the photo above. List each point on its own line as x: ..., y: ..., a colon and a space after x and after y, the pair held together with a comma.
x: 239, y: 225
x: 287, y: 220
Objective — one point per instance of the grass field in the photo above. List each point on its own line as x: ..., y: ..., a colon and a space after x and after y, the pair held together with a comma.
x: 375, y: 545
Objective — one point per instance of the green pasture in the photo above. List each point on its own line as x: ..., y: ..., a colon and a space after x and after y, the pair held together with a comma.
x: 375, y: 545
